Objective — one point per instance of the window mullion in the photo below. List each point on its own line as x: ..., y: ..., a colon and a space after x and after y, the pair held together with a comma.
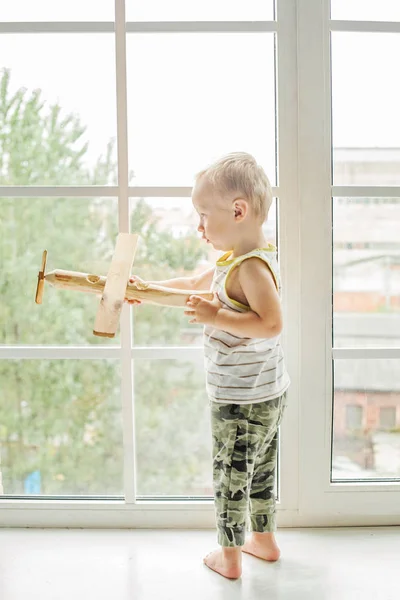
x: 183, y: 353
x: 369, y: 353
x: 59, y: 352
x: 315, y: 249
x: 56, y: 191
x: 138, y: 27
x: 123, y: 219
x: 366, y: 191
x: 366, y: 26
x: 93, y: 191
x: 289, y: 241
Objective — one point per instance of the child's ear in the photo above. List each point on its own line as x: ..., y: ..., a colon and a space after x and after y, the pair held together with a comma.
x: 240, y: 209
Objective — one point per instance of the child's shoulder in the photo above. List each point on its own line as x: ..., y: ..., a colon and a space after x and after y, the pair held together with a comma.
x: 266, y: 254
x: 256, y: 261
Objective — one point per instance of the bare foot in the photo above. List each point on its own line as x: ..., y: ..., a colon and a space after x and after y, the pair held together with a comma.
x: 228, y: 564
x: 262, y: 545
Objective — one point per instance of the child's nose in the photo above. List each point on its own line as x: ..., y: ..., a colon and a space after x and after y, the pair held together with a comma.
x: 200, y: 227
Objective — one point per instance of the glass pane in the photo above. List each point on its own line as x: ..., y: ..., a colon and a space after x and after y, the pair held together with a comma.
x: 61, y: 116
x: 366, y: 10
x: 366, y: 429
x: 48, y: 10
x: 270, y: 227
x: 79, y: 235
x: 387, y: 417
x: 366, y: 272
x: 185, y: 110
x: 60, y: 427
x: 171, y: 247
x: 354, y: 416
x: 365, y: 104
x: 173, y: 435
x: 204, y: 10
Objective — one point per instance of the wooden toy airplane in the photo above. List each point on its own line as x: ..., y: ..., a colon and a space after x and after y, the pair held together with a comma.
x: 115, y: 287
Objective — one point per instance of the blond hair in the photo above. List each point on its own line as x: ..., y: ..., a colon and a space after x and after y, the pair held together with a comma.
x: 240, y: 173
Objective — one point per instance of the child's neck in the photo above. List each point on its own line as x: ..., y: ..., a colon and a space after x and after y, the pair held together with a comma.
x: 248, y: 243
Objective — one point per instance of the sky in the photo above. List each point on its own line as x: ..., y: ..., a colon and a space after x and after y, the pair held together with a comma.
x: 193, y: 97
x: 368, y: 10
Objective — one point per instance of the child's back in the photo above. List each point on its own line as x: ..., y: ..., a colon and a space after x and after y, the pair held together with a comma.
x: 243, y: 369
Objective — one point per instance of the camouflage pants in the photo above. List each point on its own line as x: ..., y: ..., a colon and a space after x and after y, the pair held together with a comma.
x: 245, y: 444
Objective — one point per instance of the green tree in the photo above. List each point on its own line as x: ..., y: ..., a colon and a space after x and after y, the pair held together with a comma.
x: 63, y: 417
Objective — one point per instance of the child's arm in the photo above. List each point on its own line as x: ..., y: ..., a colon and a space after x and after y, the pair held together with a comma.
x: 264, y: 320
x: 197, y: 282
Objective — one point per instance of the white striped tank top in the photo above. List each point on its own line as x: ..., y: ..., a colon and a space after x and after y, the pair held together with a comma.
x: 243, y: 370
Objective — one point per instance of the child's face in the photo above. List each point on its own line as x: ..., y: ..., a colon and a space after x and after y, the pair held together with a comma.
x: 217, y: 216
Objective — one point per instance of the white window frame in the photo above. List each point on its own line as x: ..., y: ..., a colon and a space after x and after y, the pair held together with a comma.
x: 320, y: 501
x: 130, y: 512
x: 304, y: 157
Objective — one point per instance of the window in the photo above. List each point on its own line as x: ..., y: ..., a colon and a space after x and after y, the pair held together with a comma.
x: 348, y: 340
x: 366, y: 273
x: 79, y: 235
x: 366, y: 248
x: 73, y: 142
x: 180, y: 95
x: 47, y: 10
x: 365, y: 155
x: 354, y: 416
x: 367, y: 10
x: 207, y: 10
x: 83, y: 417
x: 126, y: 115
x: 60, y: 426
x: 387, y: 417
x: 366, y: 398
x: 173, y: 437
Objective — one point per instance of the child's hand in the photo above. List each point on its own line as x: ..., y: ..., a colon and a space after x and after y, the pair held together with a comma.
x: 203, y: 311
x: 134, y: 279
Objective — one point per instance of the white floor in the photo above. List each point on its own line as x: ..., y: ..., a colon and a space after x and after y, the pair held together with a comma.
x: 316, y: 564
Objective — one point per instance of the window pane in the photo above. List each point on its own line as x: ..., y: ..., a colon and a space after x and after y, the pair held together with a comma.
x: 365, y: 101
x: 79, y: 235
x: 362, y: 449
x: 387, y: 417
x: 49, y: 10
x: 366, y: 272
x: 354, y: 417
x: 186, y: 110
x: 170, y: 247
x: 61, y: 109
x: 204, y: 10
x: 60, y: 427
x: 173, y: 435
x: 366, y: 10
